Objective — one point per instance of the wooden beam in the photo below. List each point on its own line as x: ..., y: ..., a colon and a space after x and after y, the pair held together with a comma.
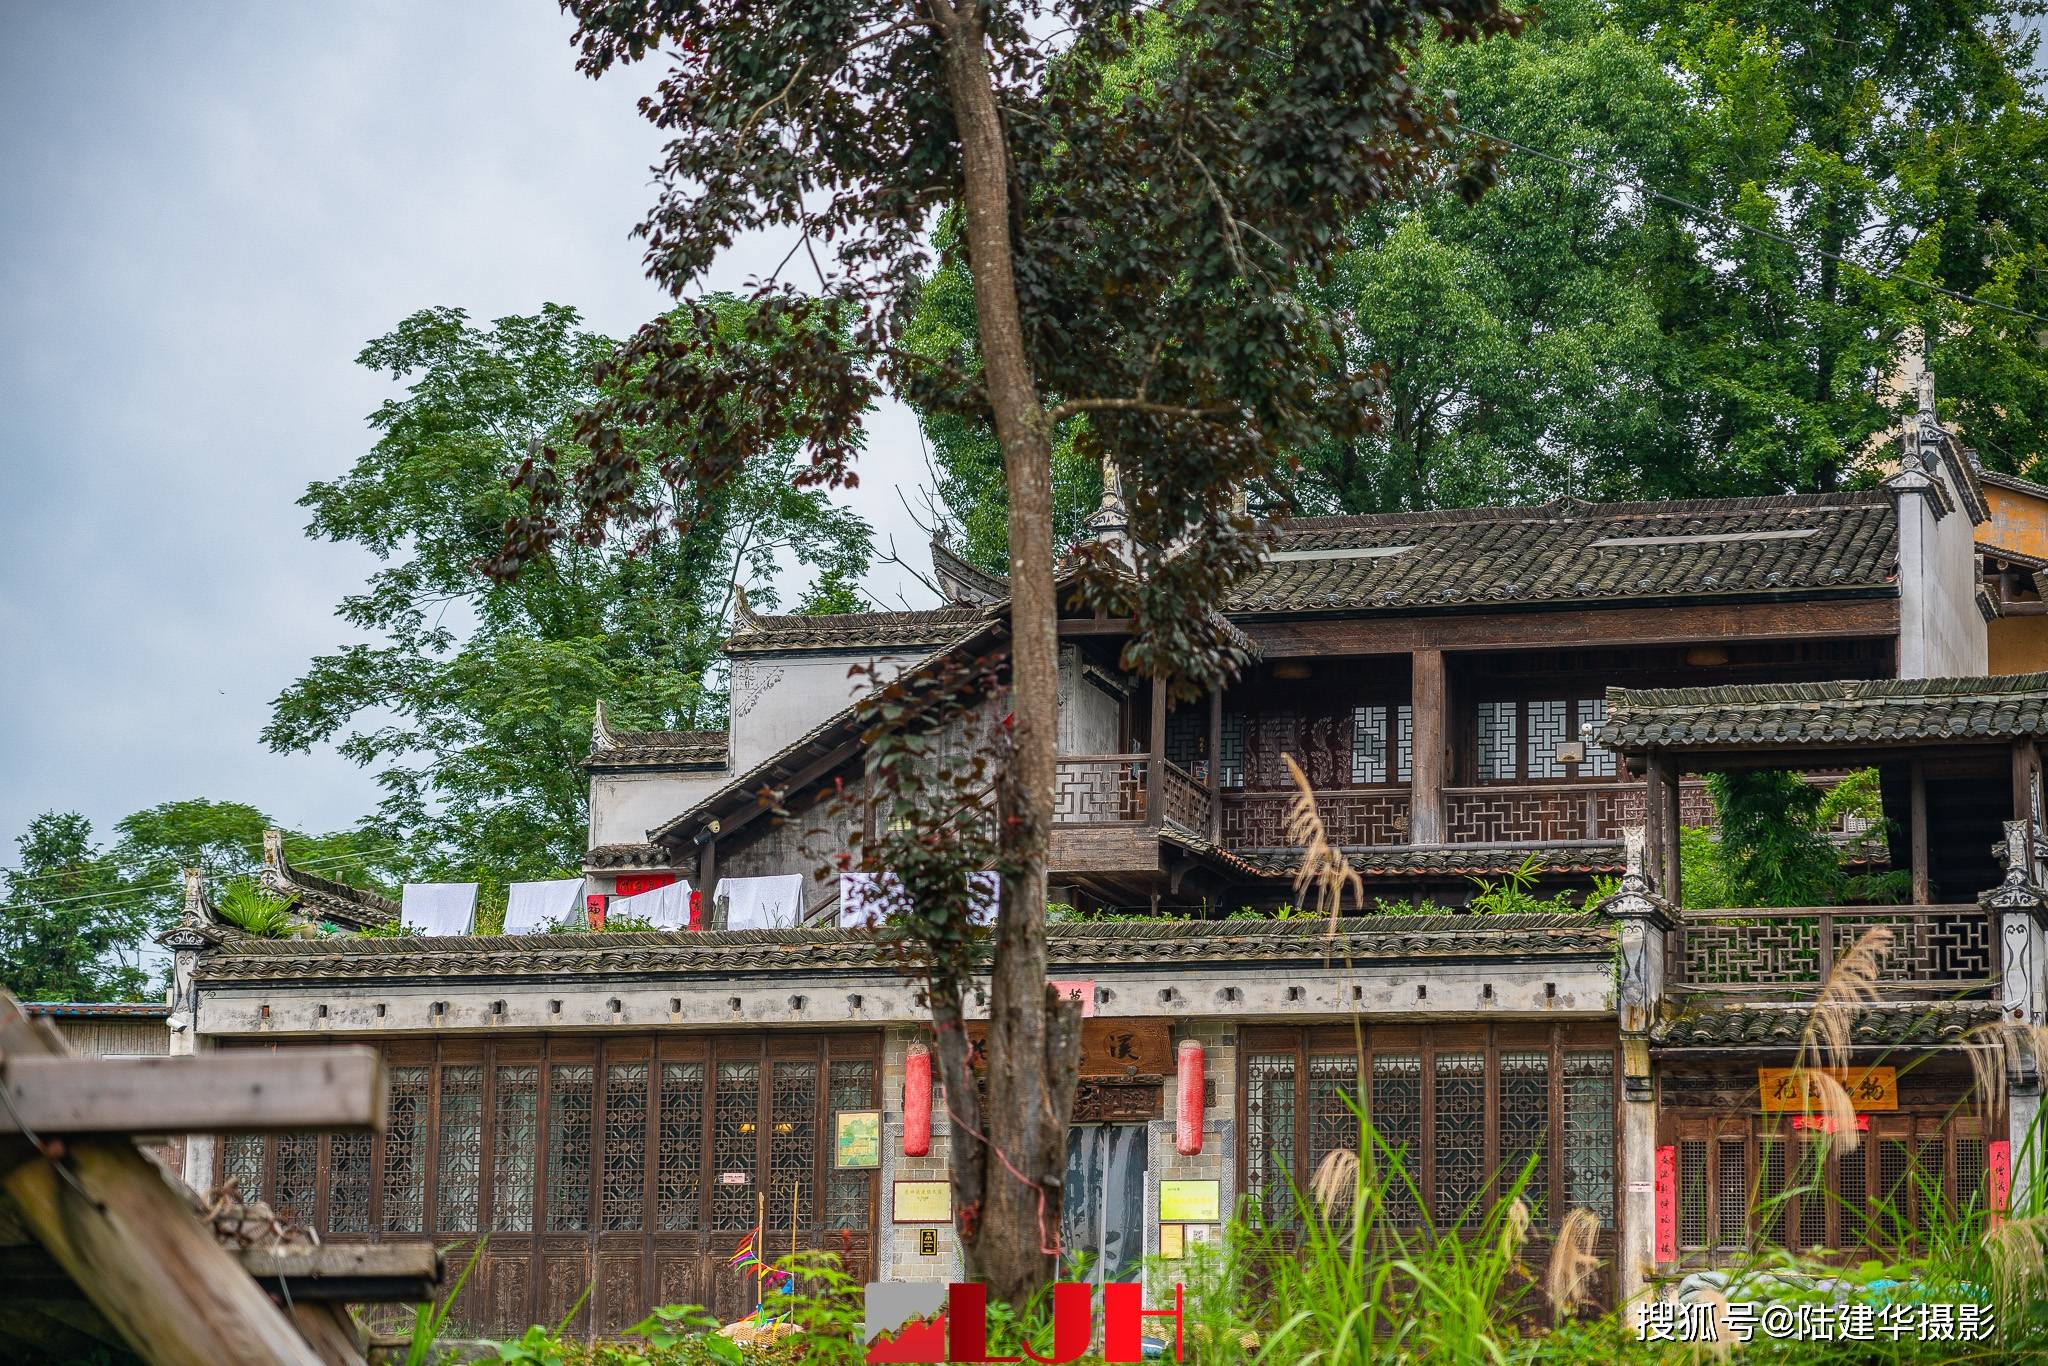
x: 1656, y: 779
x: 1216, y: 764
x: 1429, y: 747
x: 1674, y: 836
x: 1918, y: 826
x: 1098, y: 626
x: 1155, y: 767
x: 132, y: 1244
x: 1576, y: 627
x: 302, y: 1090
x: 372, y: 1273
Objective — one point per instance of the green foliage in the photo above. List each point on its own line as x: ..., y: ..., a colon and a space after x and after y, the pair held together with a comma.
x: 429, y: 1321
x: 474, y: 698
x: 1774, y: 851
x: 71, y: 928
x: 1565, y: 335
x: 252, y: 910
x: 1515, y: 894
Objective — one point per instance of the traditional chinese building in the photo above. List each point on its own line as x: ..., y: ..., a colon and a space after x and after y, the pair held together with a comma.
x: 1474, y: 693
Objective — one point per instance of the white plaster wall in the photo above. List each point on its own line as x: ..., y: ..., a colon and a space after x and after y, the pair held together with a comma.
x: 1941, y: 632
x: 625, y: 806
x: 777, y: 698
x: 1088, y: 714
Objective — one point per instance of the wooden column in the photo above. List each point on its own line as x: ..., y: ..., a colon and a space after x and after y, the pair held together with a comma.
x: 1155, y: 767
x: 1918, y: 824
x: 707, y: 871
x: 1429, y: 747
x: 1216, y: 764
x: 2025, y: 779
x: 1656, y: 810
x: 1674, y: 826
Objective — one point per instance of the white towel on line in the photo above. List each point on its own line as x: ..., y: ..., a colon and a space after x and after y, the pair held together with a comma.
x: 665, y: 908
x: 531, y: 907
x: 762, y: 903
x: 438, y: 908
x: 864, y: 898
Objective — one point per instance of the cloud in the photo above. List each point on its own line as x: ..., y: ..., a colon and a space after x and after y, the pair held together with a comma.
x: 210, y: 208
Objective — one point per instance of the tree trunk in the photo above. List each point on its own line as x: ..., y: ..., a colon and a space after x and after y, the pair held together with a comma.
x: 1009, y: 1186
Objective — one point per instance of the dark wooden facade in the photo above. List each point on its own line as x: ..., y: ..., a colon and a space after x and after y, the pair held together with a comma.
x: 625, y: 1166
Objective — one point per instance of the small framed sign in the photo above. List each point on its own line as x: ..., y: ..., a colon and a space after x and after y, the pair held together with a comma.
x: 1172, y: 1242
x: 857, y: 1140
x: 1190, y: 1202
x: 927, y: 1242
x: 921, y: 1202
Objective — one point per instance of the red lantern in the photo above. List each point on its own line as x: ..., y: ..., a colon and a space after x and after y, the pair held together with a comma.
x: 917, y: 1101
x: 593, y: 911
x: 1187, y: 1111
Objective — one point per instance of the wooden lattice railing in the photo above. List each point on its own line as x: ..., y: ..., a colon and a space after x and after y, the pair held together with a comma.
x: 1788, y: 952
x: 1187, y: 801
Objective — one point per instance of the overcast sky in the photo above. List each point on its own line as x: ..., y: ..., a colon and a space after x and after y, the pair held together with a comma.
x: 208, y: 208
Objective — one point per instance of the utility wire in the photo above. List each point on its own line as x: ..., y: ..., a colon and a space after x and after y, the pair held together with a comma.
x: 1806, y: 248
x: 121, y: 894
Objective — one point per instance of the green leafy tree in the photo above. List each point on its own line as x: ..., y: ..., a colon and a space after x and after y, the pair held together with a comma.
x: 1570, y: 334
x: 1135, y: 252
x: 474, y: 698
x: 71, y: 928
x: 1854, y: 141
x: 224, y: 840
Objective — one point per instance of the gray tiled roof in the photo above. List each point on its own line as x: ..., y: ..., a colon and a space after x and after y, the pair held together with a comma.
x: 1135, y: 943
x: 630, y: 856
x: 852, y: 631
x: 1841, y: 713
x: 1923, y: 1025
x: 1571, y: 551
x: 320, y: 898
x: 660, y: 749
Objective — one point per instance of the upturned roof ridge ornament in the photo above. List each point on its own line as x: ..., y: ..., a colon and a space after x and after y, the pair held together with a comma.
x: 2020, y: 890
x: 196, y: 928
x: 1110, y: 523
x: 1635, y: 896
x: 601, y: 738
x: 745, y: 620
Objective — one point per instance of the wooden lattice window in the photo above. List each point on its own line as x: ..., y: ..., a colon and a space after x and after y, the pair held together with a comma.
x: 515, y: 1147
x: 1775, y: 1179
x: 571, y: 1101
x: 460, y: 1161
x: 736, y: 1145
x: 405, y: 1152
x: 849, y: 1194
x: 623, y: 1192
x: 1516, y: 740
x: 679, y: 1154
x: 1459, y: 1109
x: 792, y: 1139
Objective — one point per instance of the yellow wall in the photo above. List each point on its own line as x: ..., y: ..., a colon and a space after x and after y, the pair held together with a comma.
x: 2019, y: 645
x: 2019, y: 521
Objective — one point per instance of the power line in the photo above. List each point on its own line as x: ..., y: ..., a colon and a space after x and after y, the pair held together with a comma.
x: 121, y: 894
x: 1640, y: 187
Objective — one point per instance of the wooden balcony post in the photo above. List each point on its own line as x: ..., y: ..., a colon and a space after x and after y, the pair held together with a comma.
x: 1657, y: 786
x: 1429, y: 764
x: 1155, y: 766
x: 1918, y: 822
x: 1216, y: 764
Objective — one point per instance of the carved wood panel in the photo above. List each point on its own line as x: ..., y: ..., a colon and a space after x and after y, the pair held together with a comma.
x: 593, y: 1164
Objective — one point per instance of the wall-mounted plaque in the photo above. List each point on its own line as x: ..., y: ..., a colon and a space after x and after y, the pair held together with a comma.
x: 1190, y: 1202
x: 922, y: 1202
x: 857, y: 1140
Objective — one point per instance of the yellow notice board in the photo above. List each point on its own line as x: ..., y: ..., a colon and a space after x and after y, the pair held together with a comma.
x: 922, y: 1202
x: 1871, y: 1088
x: 1190, y: 1202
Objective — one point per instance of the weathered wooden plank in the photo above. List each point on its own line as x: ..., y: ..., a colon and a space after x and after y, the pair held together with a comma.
x: 331, y: 1333
x: 133, y: 1245
x: 305, y: 1089
x: 372, y: 1273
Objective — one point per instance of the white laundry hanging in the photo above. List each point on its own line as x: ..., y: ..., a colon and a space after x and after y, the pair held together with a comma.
x: 531, y: 907
x: 438, y: 908
x: 864, y: 898
x: 665, y: 908
x: 762, y: 903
